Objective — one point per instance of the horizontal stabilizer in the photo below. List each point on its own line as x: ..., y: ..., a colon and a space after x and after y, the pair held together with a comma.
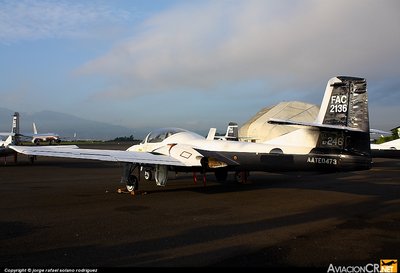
x: 7, y: 134
x: 312, y: 124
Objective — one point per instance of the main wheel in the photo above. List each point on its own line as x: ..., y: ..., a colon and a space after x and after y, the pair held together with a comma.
x: 161, y: 175
x: 241, y: 176
x: 132, y: 184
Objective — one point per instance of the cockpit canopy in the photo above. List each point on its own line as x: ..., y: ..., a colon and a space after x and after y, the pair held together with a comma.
x: 160, y: 134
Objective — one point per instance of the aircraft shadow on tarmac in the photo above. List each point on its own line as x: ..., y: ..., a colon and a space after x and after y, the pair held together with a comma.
x: 363, y: 182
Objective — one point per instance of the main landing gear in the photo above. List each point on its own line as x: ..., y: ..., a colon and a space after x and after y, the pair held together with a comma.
x: 131, y: 181
x: 161, y: 175
x: 241, y: 177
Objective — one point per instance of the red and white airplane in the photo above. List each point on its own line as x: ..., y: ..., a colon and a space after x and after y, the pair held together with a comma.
x: 37, y: 138
x: 338, y: 140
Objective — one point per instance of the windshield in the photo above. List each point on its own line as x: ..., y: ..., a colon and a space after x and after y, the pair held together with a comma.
x: 161, y: 134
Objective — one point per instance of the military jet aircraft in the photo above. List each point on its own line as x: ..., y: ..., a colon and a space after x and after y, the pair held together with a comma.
x: 338, y: 140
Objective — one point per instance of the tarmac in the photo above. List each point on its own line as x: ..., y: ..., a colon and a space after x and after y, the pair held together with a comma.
x: 66, y: 213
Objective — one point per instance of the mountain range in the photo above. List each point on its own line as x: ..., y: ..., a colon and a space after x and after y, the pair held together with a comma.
x: 67, y: 126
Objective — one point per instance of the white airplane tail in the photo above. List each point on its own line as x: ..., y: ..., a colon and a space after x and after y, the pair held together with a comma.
x: 211, y: 134
x: 9, y: 140
x: 35, y: 131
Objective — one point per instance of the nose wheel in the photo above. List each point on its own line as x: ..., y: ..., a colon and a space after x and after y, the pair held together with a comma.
x: 148, y: 175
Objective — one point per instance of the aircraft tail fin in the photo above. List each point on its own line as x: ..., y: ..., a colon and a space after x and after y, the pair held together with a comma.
x: 9, y: 140
x: 343, y: 119
x: 15, y: 135
x: 344, y: 116
x: 345, y: 104
x: 211, y: 133
x: 232, y: 131
x: 15, y: 124
x: 34, y: 128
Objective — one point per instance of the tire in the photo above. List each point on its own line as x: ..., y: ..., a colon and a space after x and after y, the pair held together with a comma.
x: 148, y: 175
x: 133, y: 183
x: 241, y: 176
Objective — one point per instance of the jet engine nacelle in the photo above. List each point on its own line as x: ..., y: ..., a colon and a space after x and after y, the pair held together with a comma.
x: 184, y: 153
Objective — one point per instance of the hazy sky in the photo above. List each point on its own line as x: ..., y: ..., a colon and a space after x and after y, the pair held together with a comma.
x: 194, y: 64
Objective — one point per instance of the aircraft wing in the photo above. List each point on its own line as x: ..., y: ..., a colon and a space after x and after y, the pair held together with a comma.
x: 312, y: 124
x: 72, y: 151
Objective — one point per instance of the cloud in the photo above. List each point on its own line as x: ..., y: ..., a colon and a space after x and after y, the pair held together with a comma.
x: 201, y: 45
x: 32, y: 20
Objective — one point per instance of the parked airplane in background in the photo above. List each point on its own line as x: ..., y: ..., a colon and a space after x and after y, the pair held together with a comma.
x: 337, y: 141
x: 14, y: 138
x: 35, y: 136
x: 232, y: 133
x: 389, y: 149
x: 44, y: 137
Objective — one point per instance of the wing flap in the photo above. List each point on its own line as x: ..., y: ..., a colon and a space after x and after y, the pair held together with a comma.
x: 97, y: 154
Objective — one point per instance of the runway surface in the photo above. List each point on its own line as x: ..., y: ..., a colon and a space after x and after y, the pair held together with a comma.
x: 67, y: 213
